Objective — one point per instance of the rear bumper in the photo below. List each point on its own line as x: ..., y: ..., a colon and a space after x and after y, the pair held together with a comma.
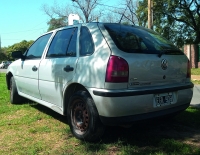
x: 141, y: 92
x: 129, y: 120
x: 125, y: 106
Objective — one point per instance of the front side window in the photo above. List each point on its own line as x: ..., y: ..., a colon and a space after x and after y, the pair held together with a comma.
x: 37, y: 48
x: 63, y: 44
x: 134, y: 39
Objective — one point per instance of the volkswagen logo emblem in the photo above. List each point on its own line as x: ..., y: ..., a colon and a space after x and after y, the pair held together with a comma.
x: 164, y: 64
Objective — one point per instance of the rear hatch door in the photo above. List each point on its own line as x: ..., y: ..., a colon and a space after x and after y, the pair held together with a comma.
x: 153, y: 60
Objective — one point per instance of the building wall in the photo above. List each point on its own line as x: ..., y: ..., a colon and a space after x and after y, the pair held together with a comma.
x: 191, y: 51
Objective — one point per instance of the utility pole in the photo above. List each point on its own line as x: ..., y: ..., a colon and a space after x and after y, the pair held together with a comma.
x: 150, y: 19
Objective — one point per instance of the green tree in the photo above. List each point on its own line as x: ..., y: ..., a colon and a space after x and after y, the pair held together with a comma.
x: 177, y: 20
x: 142, y: 13
x: 3, y: 56
x: 56, y: 23
x: 21, y: 46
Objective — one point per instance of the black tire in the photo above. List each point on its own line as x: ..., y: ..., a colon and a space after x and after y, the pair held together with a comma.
x: 83, y: 117
x: 15, y: 98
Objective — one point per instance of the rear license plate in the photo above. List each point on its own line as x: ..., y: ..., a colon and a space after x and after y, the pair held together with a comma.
x: 163, y: 99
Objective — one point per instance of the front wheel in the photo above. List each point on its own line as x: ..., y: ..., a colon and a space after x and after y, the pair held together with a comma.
x: 83, y: 117
x: 15, y: 98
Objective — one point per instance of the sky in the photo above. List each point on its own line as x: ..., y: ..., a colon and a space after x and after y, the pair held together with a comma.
x: 25, y: 20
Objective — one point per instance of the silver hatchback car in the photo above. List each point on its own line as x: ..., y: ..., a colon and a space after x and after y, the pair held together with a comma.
x: 102, y: 74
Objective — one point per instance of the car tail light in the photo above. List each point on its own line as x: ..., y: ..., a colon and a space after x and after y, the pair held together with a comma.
x: 188, y: 70
x: 117, y: 70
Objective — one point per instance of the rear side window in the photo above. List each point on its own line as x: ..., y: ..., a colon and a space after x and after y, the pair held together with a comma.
x: 63, y: 44
x: 86, y: 42
x: 134, y: 39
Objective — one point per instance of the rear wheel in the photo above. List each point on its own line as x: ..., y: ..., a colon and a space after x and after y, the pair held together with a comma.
x: 83, y: 117
x: 15, y: 98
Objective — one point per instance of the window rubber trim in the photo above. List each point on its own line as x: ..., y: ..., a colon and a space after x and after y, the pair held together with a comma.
x: 141, y: 92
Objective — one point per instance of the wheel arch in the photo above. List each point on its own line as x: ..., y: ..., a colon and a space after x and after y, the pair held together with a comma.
x: 69, y: 91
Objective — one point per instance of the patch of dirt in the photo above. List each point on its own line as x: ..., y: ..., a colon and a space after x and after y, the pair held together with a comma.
x: 113, y: 150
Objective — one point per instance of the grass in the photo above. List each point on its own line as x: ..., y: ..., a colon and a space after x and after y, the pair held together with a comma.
x: 197, y: 82
x: 195, y: 71
x: 34, y: 129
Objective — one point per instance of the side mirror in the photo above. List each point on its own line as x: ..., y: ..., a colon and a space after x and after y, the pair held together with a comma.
x: 18, y: 55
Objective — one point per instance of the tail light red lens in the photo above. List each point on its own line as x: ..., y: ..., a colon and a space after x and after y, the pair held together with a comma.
x: 117, y: 70
x: 188, y: 70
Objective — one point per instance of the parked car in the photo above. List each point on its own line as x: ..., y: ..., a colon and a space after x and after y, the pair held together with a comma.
x: 101, y: 74
x: 2, y: 64
x: 5, y: 64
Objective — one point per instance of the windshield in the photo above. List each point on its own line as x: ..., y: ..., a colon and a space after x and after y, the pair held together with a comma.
x: 133, y: 39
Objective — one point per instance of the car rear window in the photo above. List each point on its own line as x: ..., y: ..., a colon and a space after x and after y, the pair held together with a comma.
x: 135, y: 39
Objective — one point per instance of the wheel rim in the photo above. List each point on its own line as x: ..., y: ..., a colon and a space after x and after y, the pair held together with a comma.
x: 80, y: 117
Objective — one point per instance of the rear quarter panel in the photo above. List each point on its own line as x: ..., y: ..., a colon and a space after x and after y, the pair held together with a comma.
x: 91, y: 70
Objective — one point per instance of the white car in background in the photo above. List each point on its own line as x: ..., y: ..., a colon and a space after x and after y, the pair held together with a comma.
x: 5, y: 64
x: 102, y: 74
x: 2, y: 64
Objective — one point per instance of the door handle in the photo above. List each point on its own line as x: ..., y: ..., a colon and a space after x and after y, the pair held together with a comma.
x: 34, y: 68
x: 68, y: 68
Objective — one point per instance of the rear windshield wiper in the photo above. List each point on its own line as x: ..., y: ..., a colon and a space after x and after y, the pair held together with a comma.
x: 161, y: 53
